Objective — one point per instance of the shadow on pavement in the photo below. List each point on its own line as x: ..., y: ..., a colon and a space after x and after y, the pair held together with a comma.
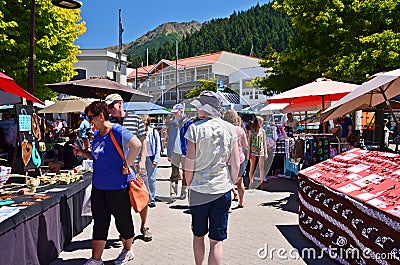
x: 289, y: 204
x: 87, y: 244
x: 60, y: 261
x: 294, y: 236
x: 76, y: 262
x: 179, y: 207
x: 164, y: 199
x: 277, y: 184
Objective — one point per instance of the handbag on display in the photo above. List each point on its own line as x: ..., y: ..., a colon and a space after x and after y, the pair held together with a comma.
x: 138, y: 193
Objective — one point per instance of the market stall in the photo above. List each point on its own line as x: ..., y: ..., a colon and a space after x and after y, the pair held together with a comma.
x: 350, y: 207
x: 37, y: 225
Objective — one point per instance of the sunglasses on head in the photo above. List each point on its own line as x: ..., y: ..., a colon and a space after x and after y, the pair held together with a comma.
x: 112, y: 104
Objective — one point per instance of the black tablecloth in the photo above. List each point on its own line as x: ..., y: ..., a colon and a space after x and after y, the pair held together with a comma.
x: 37, y: 234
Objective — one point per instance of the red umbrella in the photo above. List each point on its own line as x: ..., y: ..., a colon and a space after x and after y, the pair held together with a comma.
x: 314, y: 95
x: 10, y: 92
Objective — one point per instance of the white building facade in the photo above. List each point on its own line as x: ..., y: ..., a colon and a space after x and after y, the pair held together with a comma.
x: 167, y: 79
x: 240, y: 82
x: 100, y: 62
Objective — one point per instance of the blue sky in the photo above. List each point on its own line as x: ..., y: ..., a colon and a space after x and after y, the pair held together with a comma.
x: 139, y: 17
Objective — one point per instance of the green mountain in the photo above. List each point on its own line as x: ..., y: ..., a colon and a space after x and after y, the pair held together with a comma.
x: 253, y: 32
x: 166, y: 33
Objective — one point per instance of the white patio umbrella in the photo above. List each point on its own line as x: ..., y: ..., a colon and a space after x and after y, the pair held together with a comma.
x: 379, y: 89
x: 273, y: 108
x: 67, y: 105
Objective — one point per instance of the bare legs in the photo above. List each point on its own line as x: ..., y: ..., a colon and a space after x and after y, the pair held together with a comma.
x: 261, y: 160
x: 143, y: 216
x: 252, y: 167
x: 199, y: 249
x: 215, y: 255
x: 98, y: 247
x: 240, y: 190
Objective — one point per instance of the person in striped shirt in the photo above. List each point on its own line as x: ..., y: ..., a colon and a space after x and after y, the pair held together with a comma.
x: 134, y: 124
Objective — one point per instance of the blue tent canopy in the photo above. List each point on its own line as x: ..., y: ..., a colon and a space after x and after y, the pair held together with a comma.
x: 148, y: 108
x: 139, y: 106
x: 152, y: 112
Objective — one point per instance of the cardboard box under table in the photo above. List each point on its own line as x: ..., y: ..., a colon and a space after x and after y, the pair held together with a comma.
x: 350, y: 207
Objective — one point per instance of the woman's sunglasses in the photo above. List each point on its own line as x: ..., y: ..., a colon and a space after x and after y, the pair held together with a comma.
x: 91, y: 117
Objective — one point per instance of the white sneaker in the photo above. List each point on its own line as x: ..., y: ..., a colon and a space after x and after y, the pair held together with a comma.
x: 93, y: 262
x: 124, y: 257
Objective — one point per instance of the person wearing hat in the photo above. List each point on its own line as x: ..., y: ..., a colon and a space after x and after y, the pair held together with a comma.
x: 176, y: 148
x: 211, y: 144
x: 58, y: 128
x: 83, y: 131
x: 136, y: 126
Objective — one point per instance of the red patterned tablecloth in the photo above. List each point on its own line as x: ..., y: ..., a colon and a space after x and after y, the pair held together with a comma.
x: 368, y: 176
x: 351, y: 204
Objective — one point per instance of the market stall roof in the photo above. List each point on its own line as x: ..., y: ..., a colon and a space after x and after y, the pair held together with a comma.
x: 11, y: 92
x: 321, y: 90
x: 98, y: 87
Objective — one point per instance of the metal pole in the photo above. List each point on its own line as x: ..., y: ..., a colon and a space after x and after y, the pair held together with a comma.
x: 136, y: 74
x: 389, y: 106
x: 31, y: 66
x: 176, y: 73
x: 120, y: 30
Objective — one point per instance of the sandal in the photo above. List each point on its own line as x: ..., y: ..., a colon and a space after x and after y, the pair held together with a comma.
x: 240, y: 205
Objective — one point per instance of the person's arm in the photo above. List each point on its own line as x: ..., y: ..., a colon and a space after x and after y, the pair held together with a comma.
x: 142, y: 162
x: 79, y: 152
x: 350, y: 128
x: 245, y: 143
x: 249, y: 144
x: 134, y: 145
x: 189, y: 161
x: 235, y: 163
x: 158, y: 147
x: 265, y: 145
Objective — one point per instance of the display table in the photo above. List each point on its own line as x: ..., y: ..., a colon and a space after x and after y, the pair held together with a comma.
x: 38, y: 233
x: 350, y: 207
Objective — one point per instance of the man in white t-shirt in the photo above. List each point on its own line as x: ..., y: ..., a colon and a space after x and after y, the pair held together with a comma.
x: 211, y: 143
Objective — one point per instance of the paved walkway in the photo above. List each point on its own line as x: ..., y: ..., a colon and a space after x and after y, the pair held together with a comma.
x: 269, y: 218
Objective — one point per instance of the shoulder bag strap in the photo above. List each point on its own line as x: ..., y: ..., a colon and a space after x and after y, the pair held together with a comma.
x: 117, y: 146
